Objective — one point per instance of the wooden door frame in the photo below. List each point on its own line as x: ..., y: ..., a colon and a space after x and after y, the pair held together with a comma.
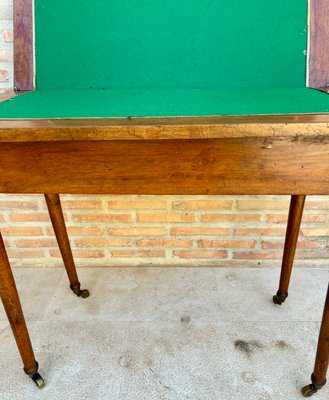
x: 317, y: 60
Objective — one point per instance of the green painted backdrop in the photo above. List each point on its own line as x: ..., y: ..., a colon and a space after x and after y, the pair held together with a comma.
x: 170, y: 43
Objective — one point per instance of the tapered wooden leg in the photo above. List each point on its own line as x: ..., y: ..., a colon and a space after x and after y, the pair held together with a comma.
x: 294, y: 221
x: 319, y: 376
x: 57, y: 219
x: 12, y: 306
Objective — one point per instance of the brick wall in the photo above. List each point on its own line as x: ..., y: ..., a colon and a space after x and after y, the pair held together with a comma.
x: 168, y: 230
x: 148, y: 230
x: 6, y: 41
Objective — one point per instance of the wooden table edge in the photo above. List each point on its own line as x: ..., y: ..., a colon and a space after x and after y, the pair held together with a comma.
x: 213, y: 127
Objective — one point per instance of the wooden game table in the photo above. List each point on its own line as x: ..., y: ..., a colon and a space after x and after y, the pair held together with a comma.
x: 255, y: 140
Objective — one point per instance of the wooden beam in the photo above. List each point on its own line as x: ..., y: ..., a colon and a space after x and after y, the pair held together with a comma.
x: 23, y: 45
x: 318, y: 49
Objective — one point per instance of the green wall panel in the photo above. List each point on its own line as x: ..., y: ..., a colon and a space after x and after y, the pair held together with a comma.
x: 170, y: 43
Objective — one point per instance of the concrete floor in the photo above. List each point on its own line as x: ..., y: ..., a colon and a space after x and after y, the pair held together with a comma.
x: 166, y: 334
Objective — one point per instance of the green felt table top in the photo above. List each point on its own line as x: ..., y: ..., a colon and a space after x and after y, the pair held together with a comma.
x: 150, y: 58
x: 171, y: 43
x: 91, y: 103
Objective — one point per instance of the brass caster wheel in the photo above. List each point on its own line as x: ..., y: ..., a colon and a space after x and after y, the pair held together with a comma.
x: 38, y: 380
x: 309, y: 390
x: 81, y: 293
x: 279, y: 299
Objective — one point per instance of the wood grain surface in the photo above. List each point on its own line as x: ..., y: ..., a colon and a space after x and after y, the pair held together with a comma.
x: 318, y: 48
x: 23, y: 45
x: 296, y: 165
x: 164, y: 128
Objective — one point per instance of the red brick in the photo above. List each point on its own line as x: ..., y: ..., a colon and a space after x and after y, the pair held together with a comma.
x: 26, y: 254
x: 136, y: 231
x: 260, y: 231
x: 29, y: 217
x: 314, y: 232
x: 84, y: 231
x: 102, y: 218
x: 80, y: 253
x: 164, y: 243
x: 168, y: 217
x: 6, y: 94
x: 314, y: 217
x: 230, y: 218
x: 138, y: 253
x: 4, y: 75
x: 262, y: 204
x: 202, y: 205
x: 243, y: 244
x: 316, y: 205
x: 21, y: 231
x: 79, y: 231
x: 316, y: 255
x: 6, y: 55
x: 82, y: 204
x: 198, y: 231
x: 138, y: 205
x: 36, y: 243
x: 102, y: 242
x: 200, y: 254
x: 283, y: 218
x: 300, y: 245
x: 257, y: 255
x: 8, y: 35
x: 267, y: 245
x: 18, y: 205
